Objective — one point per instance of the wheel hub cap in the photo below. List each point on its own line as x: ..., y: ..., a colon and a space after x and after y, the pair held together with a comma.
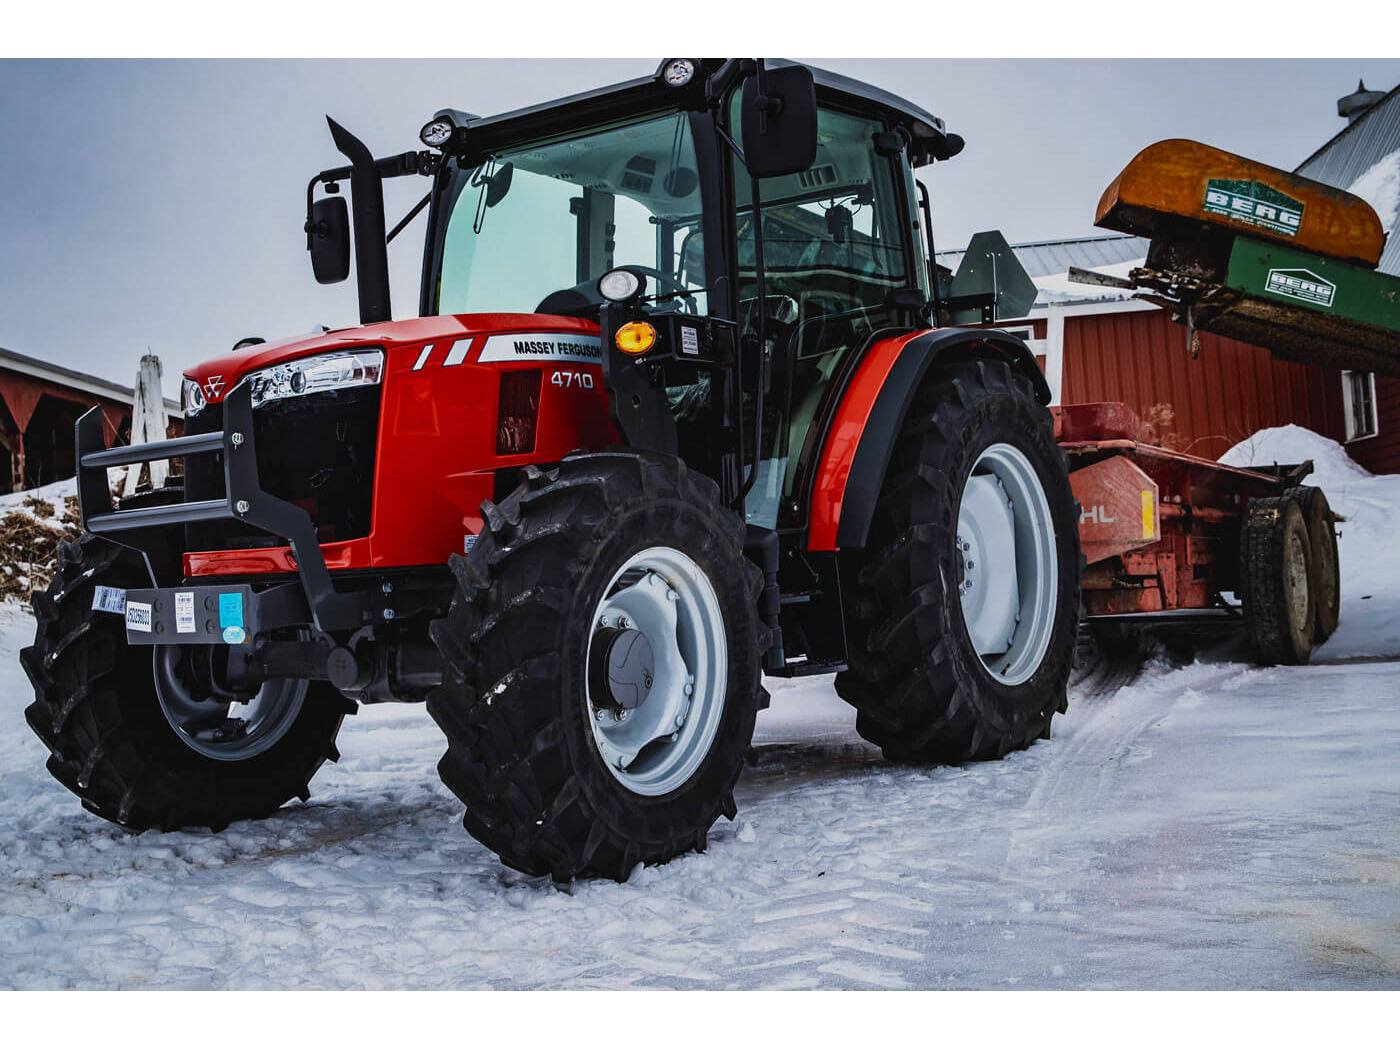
x: 657, y: 671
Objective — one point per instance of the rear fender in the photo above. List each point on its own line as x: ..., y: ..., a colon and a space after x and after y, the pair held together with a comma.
x: 858, y: 446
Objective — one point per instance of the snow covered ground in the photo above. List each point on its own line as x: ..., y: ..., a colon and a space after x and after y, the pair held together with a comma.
x: 1213, y: 825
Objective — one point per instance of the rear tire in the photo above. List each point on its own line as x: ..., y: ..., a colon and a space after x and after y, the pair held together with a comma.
x: 1275, y: 569
x: 1325, y: 563
x: 97, y: 709
x: 922, y: 690
x: 520, y: 703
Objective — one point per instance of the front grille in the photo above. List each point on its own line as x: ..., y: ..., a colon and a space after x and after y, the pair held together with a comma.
x: 316, y: 452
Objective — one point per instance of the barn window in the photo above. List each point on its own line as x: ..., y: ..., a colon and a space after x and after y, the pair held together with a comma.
x: 1359, y: 404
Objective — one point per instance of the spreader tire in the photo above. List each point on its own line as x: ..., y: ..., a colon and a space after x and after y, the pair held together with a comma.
x: 516, y: 704
x: 921, y: 689
x: 1275, y: 569
x: 96, y: 709
x: 1325, y: 564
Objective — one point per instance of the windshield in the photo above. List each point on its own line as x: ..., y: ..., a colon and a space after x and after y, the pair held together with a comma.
x: 531, y: 230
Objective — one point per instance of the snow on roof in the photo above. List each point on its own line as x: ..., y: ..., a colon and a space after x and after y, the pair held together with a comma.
x: 1058, y: 288
x: 1048, y: 263
x: 1379, y: 186
x: 1349, y: 157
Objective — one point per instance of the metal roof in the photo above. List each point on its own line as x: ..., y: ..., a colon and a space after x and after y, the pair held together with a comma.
x: 71, y: 377
x: 1352, y: 151
x: 1054, y: 258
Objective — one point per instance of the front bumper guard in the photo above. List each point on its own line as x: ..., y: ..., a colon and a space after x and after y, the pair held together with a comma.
x: 140, y: 528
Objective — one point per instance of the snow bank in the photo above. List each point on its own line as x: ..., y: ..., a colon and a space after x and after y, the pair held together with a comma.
x: 1379, y: 186
x: 1294, y: 444
x: 32, y: 524
x: 1370, y: 559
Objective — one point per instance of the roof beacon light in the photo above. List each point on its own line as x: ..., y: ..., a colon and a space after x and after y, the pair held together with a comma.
x: 436, y: 132
x: 678, y: 72
x: 617, y: 286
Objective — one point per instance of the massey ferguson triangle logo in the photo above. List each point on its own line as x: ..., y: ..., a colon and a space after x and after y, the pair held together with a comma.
x: 214, y: 386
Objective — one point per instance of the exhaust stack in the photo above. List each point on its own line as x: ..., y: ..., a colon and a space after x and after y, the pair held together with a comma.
x: 367, y: 204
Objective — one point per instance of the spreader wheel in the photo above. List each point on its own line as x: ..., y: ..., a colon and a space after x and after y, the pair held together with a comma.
x: 1275, y: 570
x: 1325, y: 579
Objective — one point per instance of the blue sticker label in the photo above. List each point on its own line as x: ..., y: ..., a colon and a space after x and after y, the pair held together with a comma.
x: 234, y: 635
x: 231, y: 609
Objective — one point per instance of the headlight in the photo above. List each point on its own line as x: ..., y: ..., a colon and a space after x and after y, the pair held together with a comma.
x: 191, y: 398
x: 315, y: 375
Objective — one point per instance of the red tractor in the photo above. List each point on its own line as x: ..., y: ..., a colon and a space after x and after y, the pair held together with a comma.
x: 683, y: 407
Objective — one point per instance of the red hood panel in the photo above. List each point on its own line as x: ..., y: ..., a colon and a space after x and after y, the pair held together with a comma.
x: 220, y: 374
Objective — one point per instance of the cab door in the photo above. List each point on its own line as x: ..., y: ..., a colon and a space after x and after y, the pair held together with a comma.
x: 837, y: 249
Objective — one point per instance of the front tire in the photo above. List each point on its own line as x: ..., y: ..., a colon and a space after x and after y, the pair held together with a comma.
x: 112, y: 739
x: 592, y: 593
x: 965, y: 606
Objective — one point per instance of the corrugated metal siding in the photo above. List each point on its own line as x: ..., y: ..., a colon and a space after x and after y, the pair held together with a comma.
x: 1215, y: 400
x: 1381, y: 454
x: 1376, y: 134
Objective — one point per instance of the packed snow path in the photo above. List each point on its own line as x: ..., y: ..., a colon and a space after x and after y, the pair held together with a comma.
x: 1211, y: 826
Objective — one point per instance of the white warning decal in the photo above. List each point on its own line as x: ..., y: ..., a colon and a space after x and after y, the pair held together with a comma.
x: 138, y: 616
x: 184, y: 612
x: 109, y: 599
x: 542, y: 346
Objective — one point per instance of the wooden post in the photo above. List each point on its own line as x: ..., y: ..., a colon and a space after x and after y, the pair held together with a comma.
x: 148, y: 422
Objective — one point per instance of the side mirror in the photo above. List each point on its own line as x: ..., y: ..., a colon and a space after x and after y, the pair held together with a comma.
x: 779, y: 122
x: 328, y: 240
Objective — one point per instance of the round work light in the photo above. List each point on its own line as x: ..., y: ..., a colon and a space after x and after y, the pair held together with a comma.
x: 617, y: 286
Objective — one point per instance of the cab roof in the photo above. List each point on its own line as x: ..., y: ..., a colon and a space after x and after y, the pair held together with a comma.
x: 928, y: 132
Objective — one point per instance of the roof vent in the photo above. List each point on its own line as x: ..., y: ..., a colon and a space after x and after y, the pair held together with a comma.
x: 1358, y: 102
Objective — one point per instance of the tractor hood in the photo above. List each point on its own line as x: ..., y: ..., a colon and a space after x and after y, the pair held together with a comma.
x: 217, y: 376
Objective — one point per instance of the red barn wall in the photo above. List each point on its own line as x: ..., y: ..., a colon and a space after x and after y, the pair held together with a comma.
x: 1204, y: 405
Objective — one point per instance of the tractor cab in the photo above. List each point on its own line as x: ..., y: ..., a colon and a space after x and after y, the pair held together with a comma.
x: 718, y: 185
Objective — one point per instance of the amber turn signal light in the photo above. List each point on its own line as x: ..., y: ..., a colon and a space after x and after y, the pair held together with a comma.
x: 635, y: 337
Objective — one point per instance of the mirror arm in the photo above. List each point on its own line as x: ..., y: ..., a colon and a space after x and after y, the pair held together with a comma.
x: 412, y: 214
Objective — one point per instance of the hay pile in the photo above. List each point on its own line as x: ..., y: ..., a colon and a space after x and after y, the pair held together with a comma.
x: 29, y: 539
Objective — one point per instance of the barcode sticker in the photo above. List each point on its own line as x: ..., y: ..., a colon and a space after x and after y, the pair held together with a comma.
x: 109, y: 599
x: 184, y: 612
x: 138, y: 616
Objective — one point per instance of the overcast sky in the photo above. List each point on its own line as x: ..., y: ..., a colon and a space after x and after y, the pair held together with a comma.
x: 159, y: 204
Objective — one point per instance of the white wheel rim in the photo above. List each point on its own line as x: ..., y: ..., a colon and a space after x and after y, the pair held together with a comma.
x: 1008, y: 576
x: 656, y: 746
